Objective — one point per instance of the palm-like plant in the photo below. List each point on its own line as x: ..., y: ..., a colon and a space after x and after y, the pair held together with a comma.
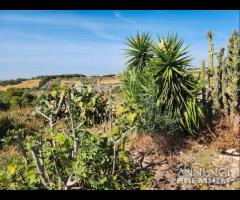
x: 139, y: 94
x: 140, y: 51
x: 177, y: 89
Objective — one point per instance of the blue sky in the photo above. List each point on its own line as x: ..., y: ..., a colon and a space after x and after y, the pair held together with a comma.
x: 91, y: 42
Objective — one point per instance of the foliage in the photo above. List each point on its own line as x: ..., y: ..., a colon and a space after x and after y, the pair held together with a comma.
x: 4, y: 105
x: 63, y: 157
x: 140, y: 51
x: 177, y: 89
x: 12, y: 82
x: 139, y: 105
x: 16, y: 98
x: 6, y: 125
x: 164, y: 89
x: 90, y: 104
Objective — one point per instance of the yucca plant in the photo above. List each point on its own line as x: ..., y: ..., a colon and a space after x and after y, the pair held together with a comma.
x: 177, y: 89
x: 139, y: 52
x: 157, y: 85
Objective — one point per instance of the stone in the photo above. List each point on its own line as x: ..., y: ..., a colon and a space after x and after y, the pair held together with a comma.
x: 232, y: 152
x: 232, y: 163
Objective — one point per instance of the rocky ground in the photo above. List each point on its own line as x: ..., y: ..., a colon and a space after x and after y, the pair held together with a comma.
x: 166, y: 165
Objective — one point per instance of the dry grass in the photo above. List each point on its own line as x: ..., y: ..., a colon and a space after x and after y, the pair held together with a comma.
x: 66, y: 82
x: 24, y: 84
x: 171, y: 145
x: 109, y: 80
x: 25, y: 116
x: 227, y: 139
x: 180, y: 152
x: 92, y: 80
x: 167, y: 145
x: 7, y: 155
x: 227, y: 131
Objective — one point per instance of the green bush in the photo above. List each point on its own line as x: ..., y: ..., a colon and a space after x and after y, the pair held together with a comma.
x: 6, y: 125
x: 12, y: 82
x: 65, y: 154
x: 15, y: 97
x: 140, y: 97
x: 4, y: 105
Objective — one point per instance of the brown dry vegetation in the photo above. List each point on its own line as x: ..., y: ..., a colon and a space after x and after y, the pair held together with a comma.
x: 71, y: 81
x: 24, y: 115
x: 176, y: 151
x: 92, y: 80
x: 25, y: 84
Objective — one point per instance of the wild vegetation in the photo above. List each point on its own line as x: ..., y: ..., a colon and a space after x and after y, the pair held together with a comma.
x: 80, y: 136
x: 166, y: 83
x: 15, y: 97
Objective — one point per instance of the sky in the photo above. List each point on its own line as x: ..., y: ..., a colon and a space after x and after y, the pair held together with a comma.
x: 91, y: 42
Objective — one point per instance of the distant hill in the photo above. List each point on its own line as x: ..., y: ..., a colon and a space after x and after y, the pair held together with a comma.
x: 46, y: 81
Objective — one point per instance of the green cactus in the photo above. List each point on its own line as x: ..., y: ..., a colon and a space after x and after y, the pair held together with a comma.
x: 235, y: 89
x: 203, y: 84
x: 218, y: 76
x: 225, y: 85
x: 210, y: 85
x: 232, y: 89
x: 210, y: 58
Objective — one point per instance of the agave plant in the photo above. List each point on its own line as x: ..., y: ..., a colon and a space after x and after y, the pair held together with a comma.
x: 177, y: 89
x: 140, y: 51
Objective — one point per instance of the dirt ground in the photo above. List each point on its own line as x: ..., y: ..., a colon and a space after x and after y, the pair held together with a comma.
x: 167, y: 155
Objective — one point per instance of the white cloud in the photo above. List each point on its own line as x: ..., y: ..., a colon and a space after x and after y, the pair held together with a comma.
x: 96, y: 28
x: 119, y: 15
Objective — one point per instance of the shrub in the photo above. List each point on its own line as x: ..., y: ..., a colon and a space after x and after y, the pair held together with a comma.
x: 67, y: 155
x: 140, y: 97
x: 4, y: 105
x: 12, y: 82
x: 16, y: 97
x: 6, y: 125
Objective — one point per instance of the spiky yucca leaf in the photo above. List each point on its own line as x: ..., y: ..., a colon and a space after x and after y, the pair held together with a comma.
x: 177, y: 89
x: 140, y: 51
